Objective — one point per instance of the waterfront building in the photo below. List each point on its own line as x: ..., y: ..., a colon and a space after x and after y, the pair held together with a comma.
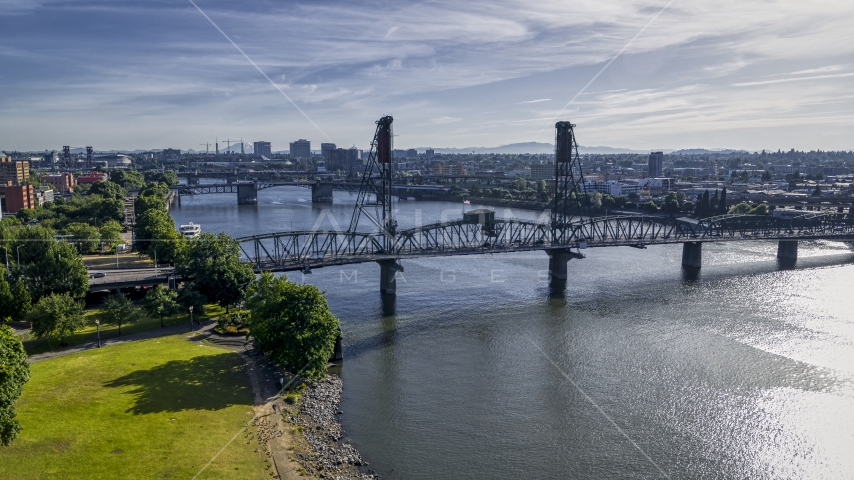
x: 656, y: 161
x: 301, y: 149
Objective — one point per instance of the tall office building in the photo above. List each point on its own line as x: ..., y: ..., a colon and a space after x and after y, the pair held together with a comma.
x: 325, y: 149
x: 301, y: 149
x: 656, y: 159
x: 262, y: 149
x: 15, y: 171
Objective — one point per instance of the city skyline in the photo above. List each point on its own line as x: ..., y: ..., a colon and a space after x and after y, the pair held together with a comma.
x: 732, y: 75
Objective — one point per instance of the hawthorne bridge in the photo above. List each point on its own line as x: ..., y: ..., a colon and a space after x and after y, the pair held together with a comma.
x: 570, y: 230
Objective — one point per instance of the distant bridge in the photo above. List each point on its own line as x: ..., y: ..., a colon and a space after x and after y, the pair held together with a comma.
x: 321, y: 192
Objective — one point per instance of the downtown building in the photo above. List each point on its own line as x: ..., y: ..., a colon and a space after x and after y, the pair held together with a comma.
x: 262, y: 149
x: 301, y: 149
x: 655, y: 164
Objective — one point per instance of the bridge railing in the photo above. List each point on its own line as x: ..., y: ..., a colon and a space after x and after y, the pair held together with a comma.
x: 291, y: 250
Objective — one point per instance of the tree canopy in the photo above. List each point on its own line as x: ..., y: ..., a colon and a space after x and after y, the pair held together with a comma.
x: 60, y: 270
x: 15, y: 301
x: 292, y: 324
x: 57, y: 315
x: 160, y: 301
x: 108, y: 189
x: 14, y: 373
x: 119, y: 310
x: 212, y: 263
x: 156, y: 236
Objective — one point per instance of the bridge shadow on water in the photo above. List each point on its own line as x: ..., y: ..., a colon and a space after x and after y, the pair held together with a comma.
x: 210, y: 382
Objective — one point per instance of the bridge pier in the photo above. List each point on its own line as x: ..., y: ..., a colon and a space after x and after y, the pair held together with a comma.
x: 558, y: 258
x: 388, y: 276
x: 692, y: 255
x: 247, y: 194
x: 787, y: 253
x: 321, y: 193
x: 338, y: 351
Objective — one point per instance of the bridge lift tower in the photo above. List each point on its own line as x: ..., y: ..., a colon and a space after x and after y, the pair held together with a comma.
x: 375, y: 200
x: 569, y: 197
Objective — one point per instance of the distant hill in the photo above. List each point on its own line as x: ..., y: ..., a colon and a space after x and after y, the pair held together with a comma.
x: 531, y: 148
x: 700, y: 151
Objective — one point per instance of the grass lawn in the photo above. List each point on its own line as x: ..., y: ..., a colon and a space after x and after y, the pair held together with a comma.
x: 159, y: 408
x: 89, y: 333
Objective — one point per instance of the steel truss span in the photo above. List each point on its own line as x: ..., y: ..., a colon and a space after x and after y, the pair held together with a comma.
x: 288, y: 251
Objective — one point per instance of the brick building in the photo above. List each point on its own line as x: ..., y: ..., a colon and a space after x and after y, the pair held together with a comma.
x: 62, y: 182
x: 16, y: 197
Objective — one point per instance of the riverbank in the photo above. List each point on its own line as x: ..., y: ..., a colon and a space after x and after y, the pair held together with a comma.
x: 320, y: 447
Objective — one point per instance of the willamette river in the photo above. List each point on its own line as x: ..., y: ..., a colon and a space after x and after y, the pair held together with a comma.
x: 638, y: 373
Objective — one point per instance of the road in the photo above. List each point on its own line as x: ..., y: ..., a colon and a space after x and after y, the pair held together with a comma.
x: 125, y: 278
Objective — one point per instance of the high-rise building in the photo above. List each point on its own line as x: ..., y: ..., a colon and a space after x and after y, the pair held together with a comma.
x: 656, y: 159
x: 15, y: 171
x: 325, y: 149
x: 344, y: 159
x: 301, y: 149
x: 263, y: 149
x: 429, y: 152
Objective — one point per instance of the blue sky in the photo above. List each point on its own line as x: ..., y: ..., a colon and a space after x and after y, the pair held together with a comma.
x: 124, y: 75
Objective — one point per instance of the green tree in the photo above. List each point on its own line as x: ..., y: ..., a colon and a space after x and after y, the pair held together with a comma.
x: 60, y: 270
x: 129, y: 179
x: 154, y: 189
x: 144, y: 203
x: 671, y: 203
x: 739, y: 209
x: 111, y: 233
x: 118, y: 309
x: 15, y: 301
x: 108, y: 189
x: 292, y: 324
x: 722, y: 206
x: 84, y: 236
x: 156, y: 236
x: 188, y: 297
x: 212, y: 263
x: 160, y: 301
x: 14, y: 373
x: 56, y: 315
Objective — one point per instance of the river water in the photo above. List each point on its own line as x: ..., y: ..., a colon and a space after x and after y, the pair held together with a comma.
x: 639, y: 372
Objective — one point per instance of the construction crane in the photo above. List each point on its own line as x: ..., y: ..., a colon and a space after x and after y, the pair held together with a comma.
x: 207, y: 146
x: 228, y: 145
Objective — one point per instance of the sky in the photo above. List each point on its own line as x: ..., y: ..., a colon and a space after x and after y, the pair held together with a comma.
x: 655, y: 74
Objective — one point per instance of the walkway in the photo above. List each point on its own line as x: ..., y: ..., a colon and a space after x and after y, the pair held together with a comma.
x: 158, y: 332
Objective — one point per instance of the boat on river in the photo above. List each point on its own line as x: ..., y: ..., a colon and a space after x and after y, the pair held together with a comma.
x: 190, y: 230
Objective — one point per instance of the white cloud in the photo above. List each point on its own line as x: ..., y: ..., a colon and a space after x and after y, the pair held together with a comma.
x: 540, y: 100
x: 787, y: 80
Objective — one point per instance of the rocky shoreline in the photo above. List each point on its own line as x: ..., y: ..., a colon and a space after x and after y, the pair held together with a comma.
x: 324, y: 454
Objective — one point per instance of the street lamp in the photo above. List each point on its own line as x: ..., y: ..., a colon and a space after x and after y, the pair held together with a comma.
x: 98, y: 328
x: 191, y: 317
